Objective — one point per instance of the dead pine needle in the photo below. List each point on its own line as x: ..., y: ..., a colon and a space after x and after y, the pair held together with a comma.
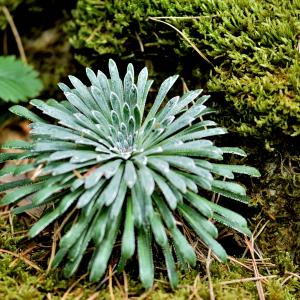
x: 65, y: 296
x: 13, y: 263
x: 232, y: 259
x: 250, y: 245
x: 111, y: 291
x: 125, y: 285
x: 24, y: 259
x: 247, y: 279
x: 194, y: 294
x: 140, y: 42
x: 53, y: 249
x: 94, y: 296
x: 210, y: 284
x: 291, y: 275
x: 11, y: 223
x: 147, y: 293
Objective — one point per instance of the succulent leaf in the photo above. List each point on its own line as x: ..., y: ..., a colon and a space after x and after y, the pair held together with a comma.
x: 131, y: 174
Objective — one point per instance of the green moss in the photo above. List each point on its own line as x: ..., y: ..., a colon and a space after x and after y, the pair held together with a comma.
x: 19, y: 281
x: 252, y: 45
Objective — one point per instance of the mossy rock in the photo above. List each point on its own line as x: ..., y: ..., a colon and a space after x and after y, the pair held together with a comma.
x: 251, y: 44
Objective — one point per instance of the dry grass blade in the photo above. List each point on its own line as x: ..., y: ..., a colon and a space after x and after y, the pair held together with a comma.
x: 185, y: 37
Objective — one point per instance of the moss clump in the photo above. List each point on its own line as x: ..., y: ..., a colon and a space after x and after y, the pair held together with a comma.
x: 19, y: 281
x: 252, y: 45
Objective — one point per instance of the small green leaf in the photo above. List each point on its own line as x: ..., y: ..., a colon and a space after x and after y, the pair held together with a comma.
x: 128, y: 237
x: 18, y: 81
x: 111, y: 191
x: 130, y: 174
x: 183, y: 246
x: 103, y: 251
x: 158, y: 230
x: 171, y: 267
x: 26, y: 113
x: 146, y: 267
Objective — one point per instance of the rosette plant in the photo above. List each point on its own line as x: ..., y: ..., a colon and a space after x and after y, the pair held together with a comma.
x: 119, y: 172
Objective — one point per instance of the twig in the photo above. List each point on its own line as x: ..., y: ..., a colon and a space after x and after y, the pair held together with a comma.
x: 15, y: 33
x: 248, y: 279
x: 210, y: 285
x: 185, y: 37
